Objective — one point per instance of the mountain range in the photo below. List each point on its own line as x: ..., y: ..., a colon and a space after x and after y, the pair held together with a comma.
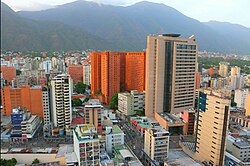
x: 84, y: 24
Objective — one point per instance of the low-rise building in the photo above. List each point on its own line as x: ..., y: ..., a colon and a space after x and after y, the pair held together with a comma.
x: 93, y: 112
x: 86, y: 145
x: 240, y: 97
x: 156, y: 144
x: 114, y: 137
x: 129, y: 103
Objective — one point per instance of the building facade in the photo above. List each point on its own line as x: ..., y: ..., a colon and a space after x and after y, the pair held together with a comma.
x: 76, y: 73
x: 114, y: 137
x: 24, y: 97
x: 87, y: 74
x: 170, y: 73
x: 61, y: 91
x: 156, y: 144
x: 129, y: 103
x: 223, y: 70
x: 240, y: 97
x: 86, y: 145
x: 211, y: 128
x: 8, y: 73
x: 93, y: 112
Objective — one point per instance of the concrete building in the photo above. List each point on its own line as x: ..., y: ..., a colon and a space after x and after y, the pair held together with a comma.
x: 8, y: 73
x: 189, y: 117
x: 156, y: 144
x: 198, y: 80
x: 61, y: 91
x: 135, y: 71
x: 235, y: 70
x: 248, y: 105
x: 87, y: 74
x: 93, y: 112
x: 239, y: 148
x: 114, y: 137
x: 113, y: 72
x: 129, y: 103
x: 46, y: 65
x: 211, y: 128
x: 76, y: 73
x: 170, y: 73
x: 240, y: 97
x: 24, y: 97
x: 223, y: 70
x: 237, y: 82
x: 46, y: 112
x: 86, y: 145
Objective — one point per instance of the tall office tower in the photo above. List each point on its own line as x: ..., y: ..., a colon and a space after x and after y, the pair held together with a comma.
x: 170, y: 73
x: 223, y: 70
x: 211, y: 128
x: 235, y: 70
x: 156, y: 144
x: 93, y: 112
x: 61, y: 90
x: 114, y: 72
x: 86, y: 74
x: 86, y: 145
x: 135, y: 71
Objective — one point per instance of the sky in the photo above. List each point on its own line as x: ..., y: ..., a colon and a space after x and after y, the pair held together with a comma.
x: 233, y: 11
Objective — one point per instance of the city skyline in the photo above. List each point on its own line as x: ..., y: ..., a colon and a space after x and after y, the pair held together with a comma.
x: 223, y: 11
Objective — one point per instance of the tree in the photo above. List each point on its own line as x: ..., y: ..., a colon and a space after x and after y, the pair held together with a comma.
x: 80, y: 88
x: 76, y: 102
x: 114, y: 101
x: 11, y: 162
x: 86, y: 99
x: 18, y: 72
x: 35, y: 161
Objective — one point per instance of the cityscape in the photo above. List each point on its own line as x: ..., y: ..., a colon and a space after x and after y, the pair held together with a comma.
x: 180, y: 100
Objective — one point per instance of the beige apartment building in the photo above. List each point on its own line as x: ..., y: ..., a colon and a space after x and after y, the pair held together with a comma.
x: 170, y: 73
x: 212, y: 124
x: 248, y: 105
x: 156, y: 144
x: 223, y: 70
x: 93, y: 112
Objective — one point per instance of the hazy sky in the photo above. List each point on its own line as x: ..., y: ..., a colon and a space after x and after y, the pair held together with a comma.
x: 234, y: 11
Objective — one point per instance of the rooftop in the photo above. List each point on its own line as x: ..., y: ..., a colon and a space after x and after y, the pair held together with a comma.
x: 85, y: 132
x: 93, y: 103
x: 116, y: 130
x: 170, y: 118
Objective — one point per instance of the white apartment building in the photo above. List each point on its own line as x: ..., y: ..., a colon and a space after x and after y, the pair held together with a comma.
x: 30, y: 126
x: 240, y: 97
x: 114, y: 137
x: 86, y: 145
x: 87, y: 74
x: 61, y: 91
x: 46, y: 112
x: 237, y: 82
x: 128, y: 103
x: 156, y: 144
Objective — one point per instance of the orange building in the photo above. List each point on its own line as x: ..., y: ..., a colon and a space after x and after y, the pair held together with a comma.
x: 26, y: 97
x: 76, y: 72
x: 114, y: 72
x: 198, y: 77
x: 135, y: 71
x: 211, y: 71
x: 9, y: 72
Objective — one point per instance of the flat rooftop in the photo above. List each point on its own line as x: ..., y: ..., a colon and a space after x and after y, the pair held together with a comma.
x: 179, y: 158
x: 85, y: 132
x: 172, y: 119
x: 116, y: 130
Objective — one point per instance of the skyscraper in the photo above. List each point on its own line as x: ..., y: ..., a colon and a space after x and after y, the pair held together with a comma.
x: 235, y: 70
x: 223, y: 70
x: 211, y: 128
x: 61, y: 89
x: 170, y: 73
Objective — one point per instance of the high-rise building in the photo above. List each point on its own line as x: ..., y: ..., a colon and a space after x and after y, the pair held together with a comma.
x: 8, y: 73
x: 235, y: 70
x: 240, y: 97
x: 86, y: 145
x: 237, y: 82
x: 223, y: 70
x: 170, y: 73
x: 24, y: 97
x: 113, y: 72
x: 61, y: 90
x: 46, y: 112
x: 198, y: 80
x: 87, y: 74
x: 93, y: 112
x: 156, y: 144
x: 135, y: 71
x: 247, y: 105
x: 129, y: 103
x: 76, y: 72
x: 211, y: 128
